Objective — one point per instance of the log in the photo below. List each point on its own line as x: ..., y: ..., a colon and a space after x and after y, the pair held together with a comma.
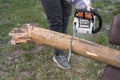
x: 33, y: 33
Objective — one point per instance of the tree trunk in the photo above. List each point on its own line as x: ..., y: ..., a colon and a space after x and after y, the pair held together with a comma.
x: 62, y: 41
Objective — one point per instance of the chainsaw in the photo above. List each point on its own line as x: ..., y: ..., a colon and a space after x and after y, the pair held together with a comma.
x: 85, y: 22
x: 85, y: 19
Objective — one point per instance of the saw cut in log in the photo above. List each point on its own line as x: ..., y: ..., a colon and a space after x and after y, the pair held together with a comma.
x: 33, y: 33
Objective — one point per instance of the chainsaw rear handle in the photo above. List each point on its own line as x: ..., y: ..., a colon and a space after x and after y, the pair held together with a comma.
x: 93, y: 13
x: 100, y: 22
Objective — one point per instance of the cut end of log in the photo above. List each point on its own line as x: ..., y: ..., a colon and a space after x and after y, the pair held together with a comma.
x: 21, y: 35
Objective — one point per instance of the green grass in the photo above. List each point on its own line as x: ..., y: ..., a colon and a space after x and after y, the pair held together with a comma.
x: 16, y: 13
x: 28, y: 61
x: 107, y: 9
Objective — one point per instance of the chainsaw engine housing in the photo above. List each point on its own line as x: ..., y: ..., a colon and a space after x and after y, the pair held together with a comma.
x: 84, y: 22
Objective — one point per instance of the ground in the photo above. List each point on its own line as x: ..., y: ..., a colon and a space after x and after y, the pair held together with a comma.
x: 20, y: 64
x: 34, y: 62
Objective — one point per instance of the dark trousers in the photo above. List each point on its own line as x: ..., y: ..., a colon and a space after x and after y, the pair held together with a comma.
x: 58, y: 13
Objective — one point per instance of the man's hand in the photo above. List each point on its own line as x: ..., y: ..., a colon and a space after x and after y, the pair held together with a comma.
x: 82, y: 4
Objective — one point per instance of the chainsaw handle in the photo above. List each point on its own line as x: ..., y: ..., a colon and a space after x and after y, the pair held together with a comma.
x: 100, y: 22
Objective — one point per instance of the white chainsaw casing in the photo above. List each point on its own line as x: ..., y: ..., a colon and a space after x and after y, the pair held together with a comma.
x: 82, y: 25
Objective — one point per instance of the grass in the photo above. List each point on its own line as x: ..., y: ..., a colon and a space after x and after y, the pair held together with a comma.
x: 33, y: 62
x: 16, y: 13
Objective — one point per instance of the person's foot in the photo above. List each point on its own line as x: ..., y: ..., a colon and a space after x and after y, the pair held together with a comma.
x: 62, y: 62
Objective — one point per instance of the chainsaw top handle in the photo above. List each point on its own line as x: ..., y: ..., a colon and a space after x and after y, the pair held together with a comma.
x: 89, y: 15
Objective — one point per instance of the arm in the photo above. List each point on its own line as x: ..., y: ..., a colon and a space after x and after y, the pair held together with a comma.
x: 81, y: 4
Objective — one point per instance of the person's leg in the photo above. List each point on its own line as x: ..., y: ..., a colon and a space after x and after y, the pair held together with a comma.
x: 66, y: 11
x: 53, y: 10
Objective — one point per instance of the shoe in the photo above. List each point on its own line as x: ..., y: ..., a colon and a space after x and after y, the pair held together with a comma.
x: 62, y: 62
